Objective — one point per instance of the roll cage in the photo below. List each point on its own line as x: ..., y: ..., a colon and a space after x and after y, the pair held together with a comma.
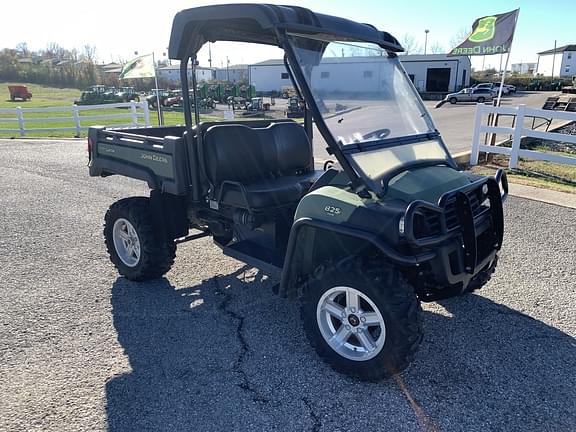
x: 271, y: 25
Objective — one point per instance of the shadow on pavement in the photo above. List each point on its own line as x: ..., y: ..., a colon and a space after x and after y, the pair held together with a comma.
x: 196, y: 365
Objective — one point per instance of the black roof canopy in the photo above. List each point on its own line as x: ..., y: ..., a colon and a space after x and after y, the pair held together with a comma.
x: 261, y: 23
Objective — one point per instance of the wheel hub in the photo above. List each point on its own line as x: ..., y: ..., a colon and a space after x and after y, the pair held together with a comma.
x: 353, y: 320
x: 126, y: 242
x: 351, y: 323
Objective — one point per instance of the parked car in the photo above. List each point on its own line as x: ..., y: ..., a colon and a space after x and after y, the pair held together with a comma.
x: 479, y: 95
x: 493, y: 87
x: 511, y: 88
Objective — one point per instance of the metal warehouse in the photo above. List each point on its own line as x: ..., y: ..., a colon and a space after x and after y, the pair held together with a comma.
x: 429, y: 73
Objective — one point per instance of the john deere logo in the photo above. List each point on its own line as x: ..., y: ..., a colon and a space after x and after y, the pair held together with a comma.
x: 485, y: 30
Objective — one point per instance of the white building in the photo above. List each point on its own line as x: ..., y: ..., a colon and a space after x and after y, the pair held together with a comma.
x: 562, y: 59
x: 524, y: 68
x: 172, y: 74
x: 234, y: 74
x: 429, y: 73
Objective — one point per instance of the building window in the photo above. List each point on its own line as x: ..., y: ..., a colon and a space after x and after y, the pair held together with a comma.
x: 324, y: 75
x: 284, y: 75
x: 367, y: 74
x: 569, y: 56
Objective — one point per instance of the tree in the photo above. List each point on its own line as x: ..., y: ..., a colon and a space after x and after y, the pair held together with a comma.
x: 22, y: 49
x: 460, y: 36
x: 410, y: 45
x: 89, y: 53
x: 436, y: 48
x: 53, y: 50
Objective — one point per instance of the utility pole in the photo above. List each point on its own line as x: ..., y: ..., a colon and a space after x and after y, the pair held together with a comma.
x: 227, y: 69
x: 426, y: 40
x: 554, y: 59
x: 210, y: 55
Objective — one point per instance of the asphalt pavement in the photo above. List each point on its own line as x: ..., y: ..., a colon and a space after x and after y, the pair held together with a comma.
x: 210, y: 347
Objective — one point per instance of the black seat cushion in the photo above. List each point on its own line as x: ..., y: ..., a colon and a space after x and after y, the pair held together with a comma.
x: 271, y: 164
x: 265, y: 193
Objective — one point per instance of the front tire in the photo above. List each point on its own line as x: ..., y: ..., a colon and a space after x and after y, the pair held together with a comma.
x: 453, y: 100
x: 480, y: 99
x: 482, y: 278
x: 133, y: 243
x: 365, y: 323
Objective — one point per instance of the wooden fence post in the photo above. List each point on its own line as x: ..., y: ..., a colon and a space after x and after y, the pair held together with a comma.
x: 516, y: 140
x: 20, y: 115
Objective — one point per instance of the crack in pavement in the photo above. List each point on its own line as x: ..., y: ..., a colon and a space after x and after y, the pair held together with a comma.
x: 316, y: 420
x: 245, y: 383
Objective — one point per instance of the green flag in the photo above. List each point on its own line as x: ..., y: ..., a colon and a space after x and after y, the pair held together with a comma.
x: 490, y: 35
x: 140, y: 67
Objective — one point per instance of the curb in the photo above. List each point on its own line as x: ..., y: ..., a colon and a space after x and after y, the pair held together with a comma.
x: 561, y: 199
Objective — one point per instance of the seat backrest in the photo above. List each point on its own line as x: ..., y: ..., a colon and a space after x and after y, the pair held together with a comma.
x: 240, y: 153
x: 293, y: 149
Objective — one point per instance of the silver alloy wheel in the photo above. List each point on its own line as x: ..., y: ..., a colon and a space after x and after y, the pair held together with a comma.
x: 351, y: 323
x: 126, y: 242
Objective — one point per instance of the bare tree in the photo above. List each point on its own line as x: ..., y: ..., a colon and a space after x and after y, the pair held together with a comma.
x: 410, y: 45
x: 22, y: 49
x: 89, y: 53
x: 436, y: 48
x: 459, y: 37
x: 53, y: 50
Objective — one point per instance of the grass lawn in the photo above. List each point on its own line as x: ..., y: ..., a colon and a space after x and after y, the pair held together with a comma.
x: 530, y: 172
x: 44, y: 96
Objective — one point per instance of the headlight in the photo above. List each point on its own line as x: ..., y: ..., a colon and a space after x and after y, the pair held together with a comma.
x: 401, y: 226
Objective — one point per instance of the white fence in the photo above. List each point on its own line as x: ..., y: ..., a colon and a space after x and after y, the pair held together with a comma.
x: 138, y: 115
x: 518, y: 131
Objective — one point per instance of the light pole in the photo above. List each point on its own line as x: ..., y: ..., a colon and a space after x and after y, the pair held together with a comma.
x: 426, y: 40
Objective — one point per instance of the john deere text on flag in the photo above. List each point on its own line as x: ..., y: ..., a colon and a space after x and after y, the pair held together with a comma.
x: 140, y: 67
x: 490, y: 35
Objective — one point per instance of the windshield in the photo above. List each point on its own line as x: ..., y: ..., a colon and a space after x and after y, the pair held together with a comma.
x: 369, y: 106
x: 362, y: 93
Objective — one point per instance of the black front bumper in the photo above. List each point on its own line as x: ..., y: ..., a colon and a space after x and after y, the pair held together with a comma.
x: 465, y: 230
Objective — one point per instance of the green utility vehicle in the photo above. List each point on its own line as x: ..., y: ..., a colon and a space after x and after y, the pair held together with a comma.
x: 392, y: 222
x: 98, y: 94
x: 127, y: 94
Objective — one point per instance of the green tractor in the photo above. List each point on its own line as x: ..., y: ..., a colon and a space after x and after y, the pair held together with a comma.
x: 127, y: 94
x: 295, y: 108
x: 99, y: 94
x: 393, y: 222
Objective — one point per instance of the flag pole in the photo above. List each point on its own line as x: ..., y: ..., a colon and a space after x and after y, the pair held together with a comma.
x: 506, y: 65
x: 503, y: 76
x: 157, y: 91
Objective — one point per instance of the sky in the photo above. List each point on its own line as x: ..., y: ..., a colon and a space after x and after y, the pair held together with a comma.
x: 118, y: 29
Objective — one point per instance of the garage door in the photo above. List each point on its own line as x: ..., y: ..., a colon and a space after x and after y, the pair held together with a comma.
x: 437, y: 79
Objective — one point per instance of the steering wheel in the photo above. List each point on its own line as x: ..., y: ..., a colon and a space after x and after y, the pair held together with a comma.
x: 378, y: 134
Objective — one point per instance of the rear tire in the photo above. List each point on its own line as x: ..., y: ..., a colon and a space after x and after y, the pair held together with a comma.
x: 134, y: 245
x: 481, y: 99
x: 368, y: 352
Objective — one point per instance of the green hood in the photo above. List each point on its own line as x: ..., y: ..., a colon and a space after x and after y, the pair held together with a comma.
x: 426, y: 184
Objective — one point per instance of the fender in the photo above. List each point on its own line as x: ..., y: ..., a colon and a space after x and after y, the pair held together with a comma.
x: 294, y: 262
